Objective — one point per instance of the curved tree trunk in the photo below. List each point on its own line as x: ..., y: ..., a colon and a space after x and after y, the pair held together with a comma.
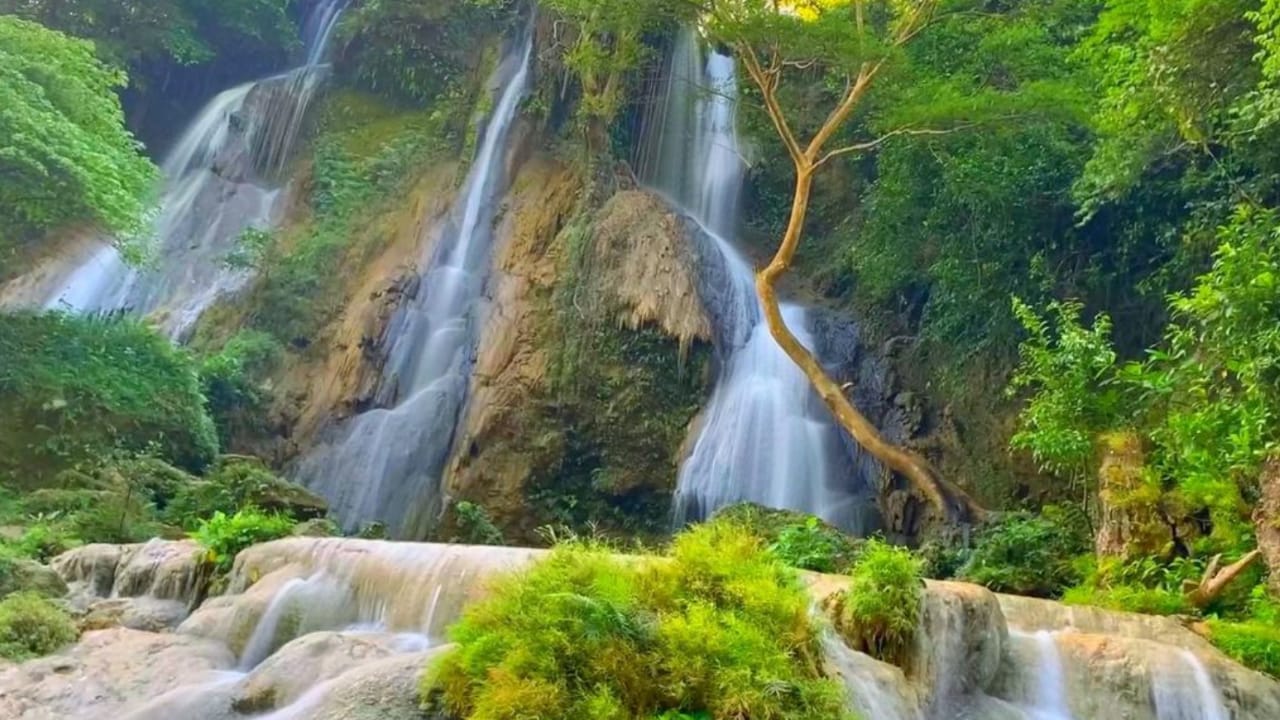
x: 952, y: 503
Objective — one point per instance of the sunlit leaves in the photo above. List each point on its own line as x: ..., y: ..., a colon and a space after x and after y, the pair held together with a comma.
x: 67, y: 156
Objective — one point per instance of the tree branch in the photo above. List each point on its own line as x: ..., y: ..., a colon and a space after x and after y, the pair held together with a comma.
x: 766, y: 81
x: 872, y: 144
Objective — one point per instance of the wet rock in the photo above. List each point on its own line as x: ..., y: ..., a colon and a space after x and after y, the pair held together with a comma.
x: 107, y: 671
x: 138, y: 613
x: 299, y: 666
x: 160, y: 569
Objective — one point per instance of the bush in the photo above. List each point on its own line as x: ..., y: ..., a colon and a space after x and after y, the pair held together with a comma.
x: 224, y: 536
x: 720, y: 629
x: 880, y: 611
x: 801, y: 541
x: 31, y: 626
x: 1027, y: 555
x: 476, y: 526
x: 44, y: 541
x: 236, y: 483
x: 75, y: 389
x: 1253, y: 644
x: 234, y: 382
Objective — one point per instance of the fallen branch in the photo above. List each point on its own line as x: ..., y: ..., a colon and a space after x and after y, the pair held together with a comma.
x: 1215, y: 581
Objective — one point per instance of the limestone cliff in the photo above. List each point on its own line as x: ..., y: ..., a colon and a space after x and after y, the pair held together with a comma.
x: 591, y: 363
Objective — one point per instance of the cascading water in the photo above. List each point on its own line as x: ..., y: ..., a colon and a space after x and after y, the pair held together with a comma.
x: 1048, y: 695
x: 1181, y: 689
x: 765, y: 436
x: 385, y: 465
x: 212, y: 194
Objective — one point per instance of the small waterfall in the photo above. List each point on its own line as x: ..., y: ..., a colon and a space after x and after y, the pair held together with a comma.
x: 765, y: 436
x: 212, y: 193
x: 1048, y: 692
x: 385, y: 464
x: 1181, y: 689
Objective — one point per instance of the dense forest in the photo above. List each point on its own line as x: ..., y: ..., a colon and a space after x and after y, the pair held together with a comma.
x: 1048, y: 229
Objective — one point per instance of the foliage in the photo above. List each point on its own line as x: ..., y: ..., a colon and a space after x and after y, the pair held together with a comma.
x: 1066, y: 364
x: 718, y: 630
x: 162, y: 33
x: 224, y: 536
x: 76, y: 388
x: 1148, y: 585
x: 476, y: 526
x: 1252, y: 644
x: 801, y: 541
x: 237, y: 483
x: 365, y: 155
x: 880, y: 611
x: 1026, y: 554
x: 608, y: 45
x: 68, y: 157
x: 31, y: 626
x: 235, y: 383
x: 416, y: 52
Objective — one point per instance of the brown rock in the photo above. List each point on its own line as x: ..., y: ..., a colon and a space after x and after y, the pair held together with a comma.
x: 1266, y: 521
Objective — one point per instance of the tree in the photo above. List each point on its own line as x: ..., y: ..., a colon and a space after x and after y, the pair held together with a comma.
x: 608, y: 44
x: 854, y: 44
x: 67, y: 155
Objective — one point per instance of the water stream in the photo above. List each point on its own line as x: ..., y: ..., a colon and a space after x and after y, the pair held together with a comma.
x: 1181, y: 689
x: 765, y: 437
x: 218, y: 182
x: 385, y: 465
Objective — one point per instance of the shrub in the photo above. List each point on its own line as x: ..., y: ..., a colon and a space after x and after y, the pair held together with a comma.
x: 720, y: 629
x: 1253, y: 644
x: 1027, y: 555
x: 476, y: 526
x: 801, y: 541
x: 44, y: 541
x: 224, y: 536
x: 75, y: 389
x: 237, y: 482
x: 880, y: 611
x: 234, y: 382
x: 31, y: 626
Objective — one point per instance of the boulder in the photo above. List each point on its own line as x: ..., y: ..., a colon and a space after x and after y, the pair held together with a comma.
x: 139, y: 613
x: 105, y: 672
x: 285, y: 677
x: 161, y: 569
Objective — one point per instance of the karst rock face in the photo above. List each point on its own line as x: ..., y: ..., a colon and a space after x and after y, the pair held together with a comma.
x: 341, y: 628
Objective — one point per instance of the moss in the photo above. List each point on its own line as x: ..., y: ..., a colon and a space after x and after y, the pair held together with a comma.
x: 620, y: 420
x: 720, y: 629
x: 1253, y: 644
x: 31, y: 626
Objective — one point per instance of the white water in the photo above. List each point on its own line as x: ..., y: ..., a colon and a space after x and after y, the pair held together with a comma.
x: 211, y: 195
x: 765, y: 437
x: 1048, y: 699
x: 1182, y: 690
x: 385, y: 464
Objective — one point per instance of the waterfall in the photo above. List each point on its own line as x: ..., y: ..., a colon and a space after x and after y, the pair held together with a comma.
x: 214, y: 189
x: 765, y: 436
x: 1048, y: 692
x: 1181, y: 689
x: 385, y: 464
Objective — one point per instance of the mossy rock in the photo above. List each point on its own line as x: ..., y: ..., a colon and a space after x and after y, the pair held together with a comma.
x: 21, y: 574
x: 317, y: 527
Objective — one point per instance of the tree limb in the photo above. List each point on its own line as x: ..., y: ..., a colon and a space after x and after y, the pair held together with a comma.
x: 872, y: 144
x: 1215, y: 581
